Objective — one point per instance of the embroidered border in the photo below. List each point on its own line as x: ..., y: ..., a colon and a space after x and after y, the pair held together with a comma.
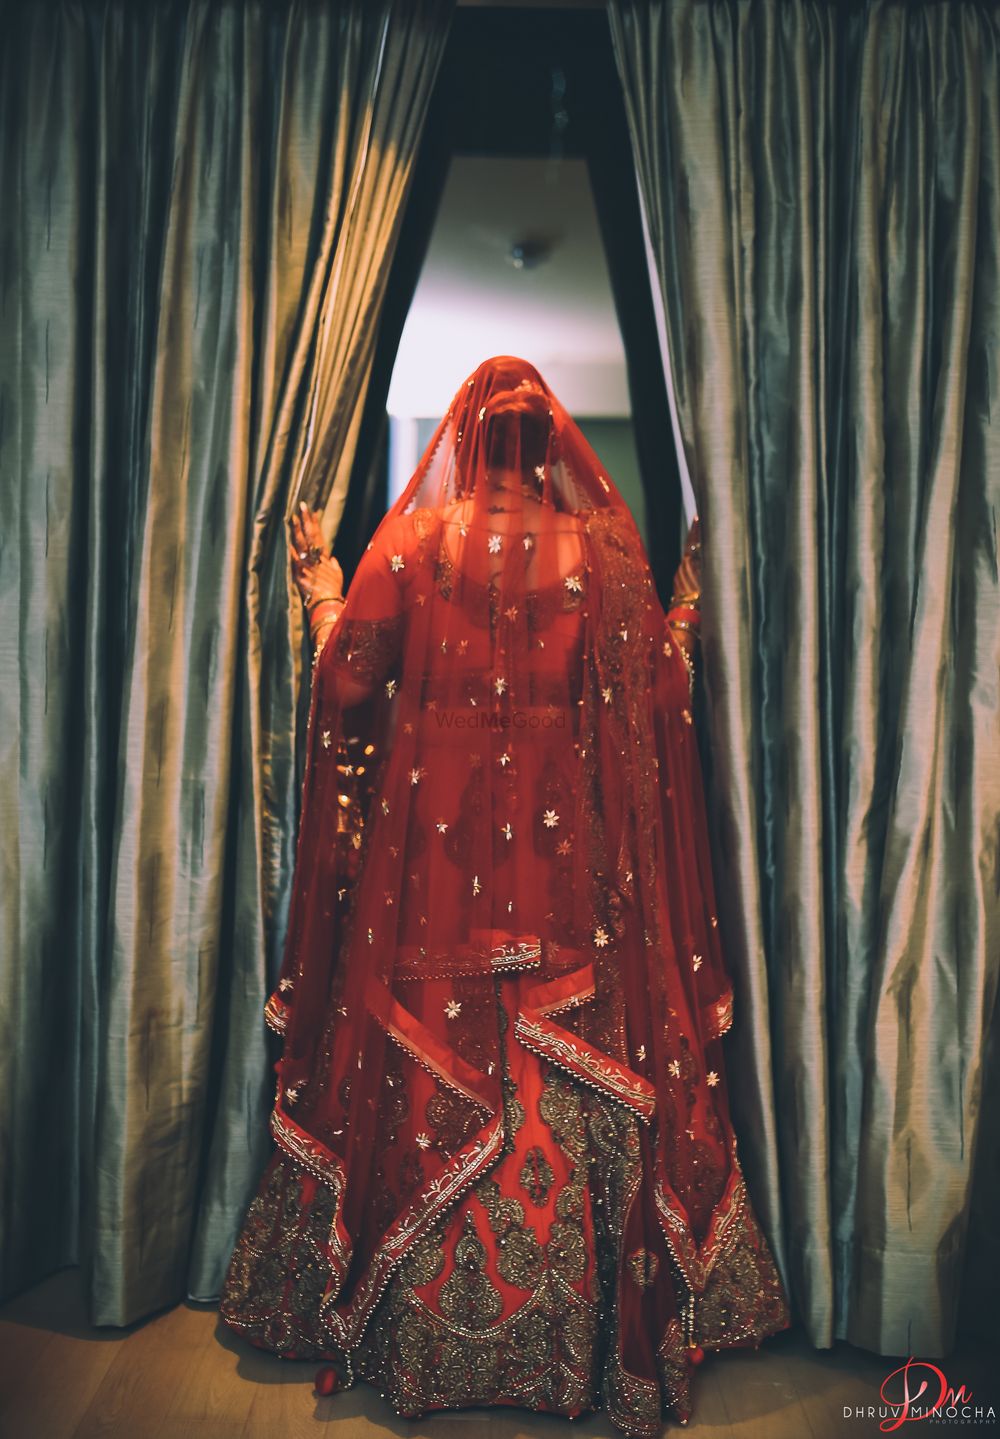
x: 587, y: 1064
x: 347, y: 1328
x: 276, y: 1013
x: 536, y: 1031
x: 413, y: 1036
x: 695, y: 1261
x: 414, y: 963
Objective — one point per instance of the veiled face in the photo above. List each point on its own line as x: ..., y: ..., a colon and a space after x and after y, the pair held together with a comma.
x: 517, y: 435
x: 506, y: 430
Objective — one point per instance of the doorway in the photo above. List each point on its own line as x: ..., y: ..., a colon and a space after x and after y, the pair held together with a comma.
x: 523, y: 234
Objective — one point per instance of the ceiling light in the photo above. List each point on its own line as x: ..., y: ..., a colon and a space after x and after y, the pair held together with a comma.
x: 527, y: 254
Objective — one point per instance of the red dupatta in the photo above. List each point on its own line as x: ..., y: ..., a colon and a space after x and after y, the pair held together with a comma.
x: 502, y: 630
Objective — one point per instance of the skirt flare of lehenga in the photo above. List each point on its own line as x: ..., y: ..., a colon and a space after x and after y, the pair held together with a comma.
x: 529, y: 1291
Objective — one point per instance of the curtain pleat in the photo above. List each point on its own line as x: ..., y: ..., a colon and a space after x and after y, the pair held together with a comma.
x: 201, y: 202
x: 823, y: 190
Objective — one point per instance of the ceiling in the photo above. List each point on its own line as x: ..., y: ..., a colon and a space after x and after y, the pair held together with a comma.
x: 471, y: 302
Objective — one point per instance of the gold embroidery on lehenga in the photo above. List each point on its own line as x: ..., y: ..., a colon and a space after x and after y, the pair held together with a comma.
x: 520, y: 1258
x: 632, y: 1401
x: 539, y: 1357
x: 469, y: 1298
x: 513, y: 1109
x: 561, y: 1108
x: 278, y: 1269
x: 424, y: 1260
x: 461, y: 1173
x: 452, y: 1117
x: 567, y: 1246
x: 537, y: 1177
x: 743, y: 1300
x: 543, y: 1354
x: 643, y: 1267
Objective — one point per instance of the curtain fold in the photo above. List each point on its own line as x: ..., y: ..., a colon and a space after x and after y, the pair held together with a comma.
x: 823, y: 191
x: 201, y: 203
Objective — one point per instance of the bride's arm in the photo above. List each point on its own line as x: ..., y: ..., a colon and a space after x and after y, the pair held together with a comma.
x: 684, y: 615
x: 366, y: 630
x: 317, y: 574
x: 320, y: 581
x: 322, y: 617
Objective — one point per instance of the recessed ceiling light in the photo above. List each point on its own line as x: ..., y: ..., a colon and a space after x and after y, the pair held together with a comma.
x: 527, y: 254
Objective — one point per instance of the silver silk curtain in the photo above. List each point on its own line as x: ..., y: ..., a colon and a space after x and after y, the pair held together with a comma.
x: 200, y: 207
x: 822, y: 184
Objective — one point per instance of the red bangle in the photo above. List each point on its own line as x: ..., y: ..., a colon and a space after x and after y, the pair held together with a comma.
x: 684, y: 612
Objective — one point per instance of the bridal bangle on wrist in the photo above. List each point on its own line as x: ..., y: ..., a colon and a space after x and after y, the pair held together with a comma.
x: 322, y: 620
x: 684, y: 616
x: 314, y: 601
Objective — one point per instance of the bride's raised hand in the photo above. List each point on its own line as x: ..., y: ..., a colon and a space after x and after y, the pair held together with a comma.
x: 316, y: 573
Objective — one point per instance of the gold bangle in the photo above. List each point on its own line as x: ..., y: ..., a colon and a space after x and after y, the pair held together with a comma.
x: 683, y: 625
x: 325, y: 622
x: 321, y: 633
x: 315, y: 600
x: 319, y: 641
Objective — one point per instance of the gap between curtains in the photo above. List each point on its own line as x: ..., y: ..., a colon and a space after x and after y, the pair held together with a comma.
x: 201, y: 203
x: 823, y: 190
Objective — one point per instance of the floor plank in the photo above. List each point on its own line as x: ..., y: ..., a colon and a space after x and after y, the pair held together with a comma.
x: 183, y: 1374
x: 52, y: 1360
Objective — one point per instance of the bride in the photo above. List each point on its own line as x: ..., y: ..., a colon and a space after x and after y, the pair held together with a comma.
x: 505, y: 1169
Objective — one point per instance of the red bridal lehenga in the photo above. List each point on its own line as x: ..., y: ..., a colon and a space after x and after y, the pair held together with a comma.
x: 505, y: 1169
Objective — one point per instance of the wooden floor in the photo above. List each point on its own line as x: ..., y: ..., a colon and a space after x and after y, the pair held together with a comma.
x: 184, y: 1375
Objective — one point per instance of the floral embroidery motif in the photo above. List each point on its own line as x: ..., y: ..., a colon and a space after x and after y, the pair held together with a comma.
x: 537, y: 1177
x: 453, y: 1119
x: 643, y: 1267
x: 520, y: 1256
x: 277, y: 1272
x: 470, y: 1299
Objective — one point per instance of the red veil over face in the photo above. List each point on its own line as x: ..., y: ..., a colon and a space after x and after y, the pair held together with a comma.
x: 502, y: 799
